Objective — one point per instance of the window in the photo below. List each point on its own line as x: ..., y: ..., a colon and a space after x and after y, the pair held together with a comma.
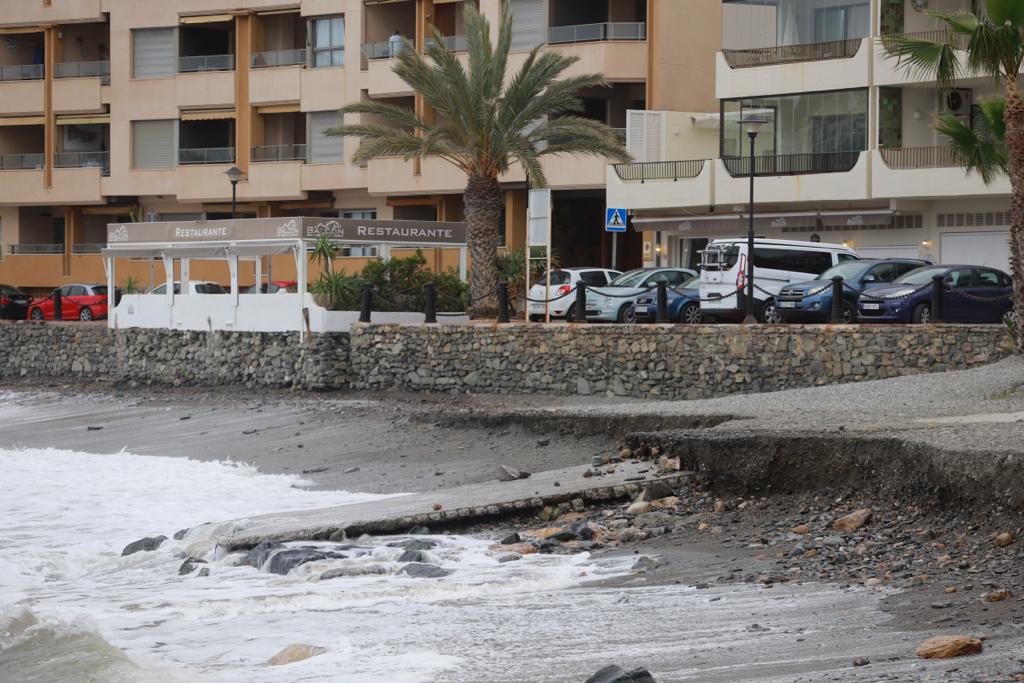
x: 593, y: 277
x: 670, y: 277
x: 959, y: 278
x: 360, y: 214
x: 324, y: 148
x: 813, y: 262
x: 843, y: 258
x: 364, y: 250
x: 840, y: 23
x: 154, y: 53
x: 154, y: 144
x: 904, y: 268
x: 329, y: 42
x: 884, y: 272
x: 989, y: 278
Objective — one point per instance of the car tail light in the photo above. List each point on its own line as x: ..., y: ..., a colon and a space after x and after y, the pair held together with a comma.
x: 741, y: 275
x: 4, y: 301
x: 564, y: 290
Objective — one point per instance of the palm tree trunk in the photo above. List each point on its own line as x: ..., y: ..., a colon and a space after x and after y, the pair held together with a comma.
x: 484, y: 202
x: 1014, y: 117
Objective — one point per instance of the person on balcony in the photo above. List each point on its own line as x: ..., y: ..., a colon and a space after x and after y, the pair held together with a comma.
x: 395, y: 43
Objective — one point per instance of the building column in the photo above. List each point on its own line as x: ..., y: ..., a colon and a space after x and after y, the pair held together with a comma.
x: 650, y: 98
x: 243, y: 107
x: 72, y: 231
x: 424, y: 19
x: 50, y: 48
x: 515, y: 219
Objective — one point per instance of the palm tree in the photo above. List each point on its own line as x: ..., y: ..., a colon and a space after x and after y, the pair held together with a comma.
x: 991, y: 45
x: 485, y: 124
x: 324, y: 252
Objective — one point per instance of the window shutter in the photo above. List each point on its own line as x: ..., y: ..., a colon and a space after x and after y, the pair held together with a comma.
x: 153, y: 144
x: 154, y: 53
x: 323, y: 148
x: 529, y: 23
x: 643, y: 135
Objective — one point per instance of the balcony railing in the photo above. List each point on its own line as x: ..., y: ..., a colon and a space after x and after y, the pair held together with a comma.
x: 918, y: 157
x: 382, y: 50
x: 659, y: 170
x: 792, y: 164
x: 99, y: 69
x: 198, y: 63
x: 36, y: 248
x: 958, y: 40
x: 21, y: 162
x: 23, y: 72
x: 87, y: 248
x: 788, y: 54
x: 453, y: 43
x: 264, y: 60
x: 206, y: 155
x: 588, y: 33
x: 279, y: 153
x: 99, y: 160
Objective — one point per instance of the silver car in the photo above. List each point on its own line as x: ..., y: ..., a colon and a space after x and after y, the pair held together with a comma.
x: 614, y: 303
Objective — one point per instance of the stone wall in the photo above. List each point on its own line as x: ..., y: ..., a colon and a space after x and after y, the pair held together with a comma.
x: 657, y: 361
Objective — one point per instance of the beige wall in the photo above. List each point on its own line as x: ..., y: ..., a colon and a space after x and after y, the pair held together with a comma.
x: 685, y: 37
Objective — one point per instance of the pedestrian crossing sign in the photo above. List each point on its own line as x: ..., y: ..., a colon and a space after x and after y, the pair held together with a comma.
x: 615, y: 220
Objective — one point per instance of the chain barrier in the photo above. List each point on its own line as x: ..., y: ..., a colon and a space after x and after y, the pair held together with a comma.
x: 900, y: 297
x: 622, y: 296
x: 975, y: 297
x: 548, y: 301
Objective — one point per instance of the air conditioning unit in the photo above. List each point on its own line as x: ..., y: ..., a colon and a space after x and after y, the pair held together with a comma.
x: 958, y: 102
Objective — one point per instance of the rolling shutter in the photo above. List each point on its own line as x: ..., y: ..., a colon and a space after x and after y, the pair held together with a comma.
x: 323, y: 148
x: 154, y: 53
x: 643, y: 135
x: 529, y: 23
x: 154, y: 144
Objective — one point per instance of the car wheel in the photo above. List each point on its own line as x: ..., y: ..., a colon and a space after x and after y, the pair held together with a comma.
x: 570, y: 315
x: 922, y: 314
x: 849, y: 313
x: 627, y: 315
x: 36, y: 314
x: 536, y: 318
x: 770, y: 314
x: 85, y: 314
x: 690, y: 315
x: 1010, y: 317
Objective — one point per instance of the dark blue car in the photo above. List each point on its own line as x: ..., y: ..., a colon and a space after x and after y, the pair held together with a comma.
x: 973, y: 294
x: 811, y: 301
x: 683, y: 304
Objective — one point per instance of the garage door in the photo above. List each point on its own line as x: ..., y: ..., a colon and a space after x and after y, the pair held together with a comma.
x: 977, y: 249
x: 912, y: 251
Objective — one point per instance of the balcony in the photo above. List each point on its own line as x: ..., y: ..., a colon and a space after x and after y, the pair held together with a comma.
x: 22, y: 162
x: 927, y: 173
x: 838, y: 65
x: 659, y: 170
x: 792, y: 164
x: 206, y: 155
x: 294, y: 152
x: 98, y: 69
x: 99, y: 160
x: 22, y: 72
x: 789, y: 54
x: 25, y: 186
x: 77, y: 88
x: 661, y: 184
x: 26, y: 249
x: 835, y: 176
x: 453, y: 43
x: 589, y: 33
x: 276, y: 58
x: 203, y: 63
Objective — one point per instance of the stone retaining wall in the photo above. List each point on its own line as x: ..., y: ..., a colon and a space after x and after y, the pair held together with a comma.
x: 657, y: 361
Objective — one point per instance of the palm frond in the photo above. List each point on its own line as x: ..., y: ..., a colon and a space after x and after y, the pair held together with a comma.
x: 923, y: 58
x: 973, y: 149
x: 1008, y: 13
x: 399, y: 116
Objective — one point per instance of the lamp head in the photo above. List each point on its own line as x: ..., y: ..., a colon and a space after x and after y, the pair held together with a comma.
x: 234, y: 174
x: 753, y: 124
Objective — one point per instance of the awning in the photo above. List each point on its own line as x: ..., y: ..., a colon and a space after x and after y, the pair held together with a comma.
x: 69, y: 120
x: 20, y: 29
x: 262, y: 249
x: 199, y: 251
x: 207, y: 19
x: 716, y: 225
x: 207, y: 114
x: 131, y: 252
x: 272, y: 12
x: 278, y: 108
x: 22, y: 120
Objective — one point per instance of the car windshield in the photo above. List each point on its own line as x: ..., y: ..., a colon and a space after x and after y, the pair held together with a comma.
x: 921, y: 276
x: 630, y: 279
x: 692, y: 283
x: 209, y: 288
x: 558, y: 277
x: 848, y: 271
x: 719, y: 257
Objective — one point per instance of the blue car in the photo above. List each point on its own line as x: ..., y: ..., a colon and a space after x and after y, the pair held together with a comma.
x: 683, y: 304
x: 973, y: 294
x: 811, y: 302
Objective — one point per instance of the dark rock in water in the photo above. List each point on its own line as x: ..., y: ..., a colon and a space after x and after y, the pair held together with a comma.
x: 414, y: 544
x: 645, y: 564
x: 412, y: 556
x: 205, y: 571
x: 563, y: 535
x: 190, y: 565
x: 616, y: 674
x: 419, y: 531
x: 511, y: 539
x: 258, y: 556
x: 506, y: 473
x: 143, y: 545
x: 656, y: 491
x: 283, y: 561
x: 418, y: 570
x: 180, y: 534
x: 582, y: 529
x: 340, y: 572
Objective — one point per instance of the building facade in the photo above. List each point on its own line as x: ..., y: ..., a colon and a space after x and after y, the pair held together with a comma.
x: 132, y: 110
x: 847, y: 152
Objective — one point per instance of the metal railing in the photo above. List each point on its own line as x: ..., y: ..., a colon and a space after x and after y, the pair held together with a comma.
x: 22, y: 162
x: 36, y: 248
x: 22, y: 72
x: 958, y: 40
x: 200, y: 63
x: 382, y: 50
x: 793, y: 164
x: 206, y: 155
x: 786, y: 54
x: 659, y: 170
x: 453, y: 43
x: 588, y: 33
x: 98, y: 69
x: 83, y: 160
x: 918, y: 157
x: 279, y: 153
x: 86, y: 248
x: 272, y: 58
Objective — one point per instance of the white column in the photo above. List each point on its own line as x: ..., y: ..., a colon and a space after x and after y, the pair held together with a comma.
x: 111, y: 294
x: 258, y: 274
x: 185, y: 276
x: 301, y: 265
x: 233, y: 267
x: 464, y: 263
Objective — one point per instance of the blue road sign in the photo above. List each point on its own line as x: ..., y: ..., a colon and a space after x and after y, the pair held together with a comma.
x: 615, y: 220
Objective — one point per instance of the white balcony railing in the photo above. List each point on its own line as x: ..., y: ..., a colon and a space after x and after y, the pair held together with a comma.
x: 97, y: 69
x: 206, y: 155
x: 199, y: 63
x: 22, y: 72
x: 264, y: 60
x: 589, y: 33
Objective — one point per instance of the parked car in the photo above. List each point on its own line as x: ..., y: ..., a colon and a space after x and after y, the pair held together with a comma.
x: 13, y: 303
x: 909, y: 299
x: 562, y: 290
x: 81, y: 302
x: 194, y: 287
x: 811, y: 301
x: 683, y: 304
x: 273, y: 287
x: 777, y: 263
x: 614, y: 303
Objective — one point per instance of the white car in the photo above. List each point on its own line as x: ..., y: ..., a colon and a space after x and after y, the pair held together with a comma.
x: 194, y: 287
x: 563, y: 290
x: 614, y: 303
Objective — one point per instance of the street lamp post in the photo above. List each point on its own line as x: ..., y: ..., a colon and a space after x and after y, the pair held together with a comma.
x: 234, y: 174
x: 753, y: 126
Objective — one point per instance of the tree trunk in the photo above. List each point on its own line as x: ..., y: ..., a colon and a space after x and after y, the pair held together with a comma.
x: 1014, y: 117
x: 484, y: 202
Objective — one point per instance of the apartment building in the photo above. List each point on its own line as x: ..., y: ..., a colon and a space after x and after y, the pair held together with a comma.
x: 117, y: 110
x: 846, y: 154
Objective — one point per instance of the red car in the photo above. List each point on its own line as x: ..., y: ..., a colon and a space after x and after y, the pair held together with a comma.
x: 78, y: 302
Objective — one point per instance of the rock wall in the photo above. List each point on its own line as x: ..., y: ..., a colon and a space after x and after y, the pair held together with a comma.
x: 657, y: 361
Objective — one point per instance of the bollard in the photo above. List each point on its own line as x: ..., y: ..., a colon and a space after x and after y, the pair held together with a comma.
x: 580, y: 312
x: 837, y: 300
x: 58, y: 305
x: 367, y: 304
x: 662, y: 303
x: 430, y: 303
x: 502, y: 302
x: 938, y: 286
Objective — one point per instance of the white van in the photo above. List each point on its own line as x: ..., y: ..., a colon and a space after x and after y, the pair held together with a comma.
x: 776, y: 263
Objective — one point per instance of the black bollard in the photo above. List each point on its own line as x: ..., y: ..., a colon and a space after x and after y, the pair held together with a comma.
x: 580, y: 312
x: 502, y: 302
x: 430, y: 305
x: 662, y: 303
x: 58, y: 305
x: 938, y: 288
x: 367, y: 304
x: 837, y: 300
